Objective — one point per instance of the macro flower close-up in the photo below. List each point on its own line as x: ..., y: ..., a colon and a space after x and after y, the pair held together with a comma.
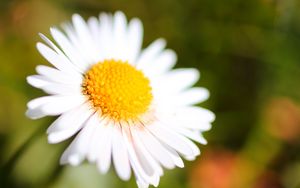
x: 122, y: 105
x: 168, y: 94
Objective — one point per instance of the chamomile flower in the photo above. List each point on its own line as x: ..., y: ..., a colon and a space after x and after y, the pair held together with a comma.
x: 123, y: 105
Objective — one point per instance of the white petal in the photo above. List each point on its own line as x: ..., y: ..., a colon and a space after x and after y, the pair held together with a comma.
x: 119, y: 154
x: 186, y: 98
x: 68, y: 124
x: 175, y: 156
x: 189, y: 134
x: 141, y: 184
x: 62, y: 89
x: 192, y: 96
x: 34, y: 103
x: 119, y: 36
x: 105, y: 148
x: 196, y: 150
x: 141, y: 148
x: 161, y: 64
x: 50, y: 43
x: 83, y: 50
x: 38, y: 81
x: 52, y: 105
x: 155, y: 148
x: 96, y: 138
x: 190, y: 158
x: 76, y: 152
x: 147, y: 163
x: 183, y: 117
x: 175, y: 81
x: 135, y: 39
x: 94, y: 27
x: 150, y: 53
x: 57, y: 59
x: 194, y: 125
x: 58, y: 76
x: 58, y: 87
x: 106, y: 36
x: 63, y: 121
x: 57, y: 137
x: 170, y: 138
x: 140, y: 171
x: 194, y: 135
x: 69, y: 49
x: 84, y: 36
x: 194, y: 114
x: 82, y: 30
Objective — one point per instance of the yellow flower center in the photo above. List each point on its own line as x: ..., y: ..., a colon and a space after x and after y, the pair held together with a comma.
x: 118, y: 89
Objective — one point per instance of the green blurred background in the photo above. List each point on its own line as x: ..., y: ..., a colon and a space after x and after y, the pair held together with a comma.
x: 249, y: 58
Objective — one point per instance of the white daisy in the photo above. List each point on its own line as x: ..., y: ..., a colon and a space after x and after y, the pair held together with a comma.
x: 122, y: 103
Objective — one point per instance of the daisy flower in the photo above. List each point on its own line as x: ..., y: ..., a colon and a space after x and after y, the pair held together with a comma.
x: 121, y: 103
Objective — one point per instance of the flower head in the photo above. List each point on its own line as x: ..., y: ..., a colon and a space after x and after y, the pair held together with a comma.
x: 125, y: 103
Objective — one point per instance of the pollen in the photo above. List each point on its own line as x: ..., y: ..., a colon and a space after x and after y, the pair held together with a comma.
x: 118, y: 89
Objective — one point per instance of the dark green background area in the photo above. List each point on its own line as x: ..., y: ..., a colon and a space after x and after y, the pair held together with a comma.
x: 248, y: 56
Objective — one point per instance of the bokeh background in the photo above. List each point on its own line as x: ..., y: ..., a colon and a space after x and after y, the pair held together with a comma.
x: 248, y: 53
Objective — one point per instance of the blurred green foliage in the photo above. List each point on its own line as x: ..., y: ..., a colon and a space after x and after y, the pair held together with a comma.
x: 247, y: 52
